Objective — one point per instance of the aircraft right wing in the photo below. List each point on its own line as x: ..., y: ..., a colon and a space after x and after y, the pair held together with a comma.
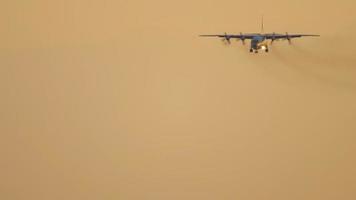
x: 226, y: 37
x: 229, y: 36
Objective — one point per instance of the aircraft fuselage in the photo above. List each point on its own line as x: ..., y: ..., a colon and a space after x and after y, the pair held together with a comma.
x: 258, y: 42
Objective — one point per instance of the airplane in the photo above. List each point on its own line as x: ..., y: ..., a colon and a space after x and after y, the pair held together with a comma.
x: 259, y: 41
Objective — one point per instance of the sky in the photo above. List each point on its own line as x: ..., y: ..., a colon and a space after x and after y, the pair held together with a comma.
x: 122, y: 100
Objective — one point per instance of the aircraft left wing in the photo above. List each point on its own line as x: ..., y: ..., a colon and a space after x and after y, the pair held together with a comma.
x: 287, y: 36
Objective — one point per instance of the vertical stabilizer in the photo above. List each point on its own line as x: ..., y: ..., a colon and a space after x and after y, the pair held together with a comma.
x: 262, y: 25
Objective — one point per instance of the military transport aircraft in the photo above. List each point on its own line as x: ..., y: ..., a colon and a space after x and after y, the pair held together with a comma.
x: 259, y: 40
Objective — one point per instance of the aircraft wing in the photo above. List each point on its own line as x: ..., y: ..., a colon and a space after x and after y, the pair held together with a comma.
x: 229, y: 36
x: 275, y: 36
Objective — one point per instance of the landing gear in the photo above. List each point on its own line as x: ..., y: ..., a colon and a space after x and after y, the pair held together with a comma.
x: 251, y: 50
x: 256, y: 51
x: 266, y: 50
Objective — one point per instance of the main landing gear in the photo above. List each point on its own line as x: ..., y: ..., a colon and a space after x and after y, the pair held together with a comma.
x: 256, y: 51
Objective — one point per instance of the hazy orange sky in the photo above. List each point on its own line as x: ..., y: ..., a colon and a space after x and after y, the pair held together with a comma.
x: 121, y: 100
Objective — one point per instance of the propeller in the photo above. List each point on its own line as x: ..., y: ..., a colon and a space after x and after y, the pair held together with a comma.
x: 288, y: 38
x: 273, y: 38
x: 226, y: 39
x: 242, y: 38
